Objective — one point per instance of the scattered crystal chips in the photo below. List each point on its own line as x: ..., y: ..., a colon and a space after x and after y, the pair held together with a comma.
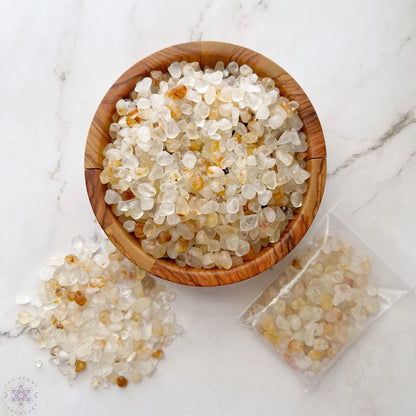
x: 213, y: 150
x: 100, y: 313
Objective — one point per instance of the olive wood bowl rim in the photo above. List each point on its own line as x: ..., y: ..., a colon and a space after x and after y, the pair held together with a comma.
x: 98, y: 137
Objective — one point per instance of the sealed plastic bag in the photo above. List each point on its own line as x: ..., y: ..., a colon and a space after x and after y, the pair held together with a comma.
x: 324, y: 300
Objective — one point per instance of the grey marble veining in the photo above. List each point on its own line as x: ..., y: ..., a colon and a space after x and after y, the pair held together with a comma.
x: 403, y: 121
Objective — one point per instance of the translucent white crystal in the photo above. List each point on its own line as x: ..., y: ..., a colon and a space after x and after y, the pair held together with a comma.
x: 248, y: 191
x: 225, y: 109
x: 282, y: 323
x: 269, y: 214
x: 295, y: 322
x: 270, y: 179
x: 214, y: 77
x: 157, y: 100
x: 224, y: 260
x: 189, y: 160
x: 264, y: 197
x: 201, y: 85
x: 143, y: 85
x: 276, y: 121
x: 135, y: 209
x: 166, y: 208
x: 112, y: 197
x: 237, y: 94
x: 202, y: 109
x: 259, y: 186
x: 23, y: 299
x: 263, y: 112
x: 233, y: 205
x: 173, y: 219
x: 285, y: 157
x: 232, y: 242
x: 56, y: 260
x: 130, y: 161
x: 299, y: 175
x: 245, y: 70
x: 129, y: 225
x: 249, y: 222
x: 210, y: 95
x: 296, y: 199
x: 143, y: 103
x: 171, y: 129
x: 164, y: 159
x: 147, y: 190
x: 208, y: 259
x: 185, y: 231
x: 147, y: 203
x: 210, y: 207
x: 156, y: 172
x: 243, y: 248
x: 233, y: 67
x: 289, y: 137
x: 253, y: 101
x: 78, y: 243
x: 143, y: 133
x: 175, y: 70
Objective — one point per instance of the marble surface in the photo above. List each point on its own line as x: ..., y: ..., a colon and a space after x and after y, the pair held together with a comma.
x: 357, y: 63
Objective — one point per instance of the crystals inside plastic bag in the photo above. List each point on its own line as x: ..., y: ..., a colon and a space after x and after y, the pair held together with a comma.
x: 325, y: 299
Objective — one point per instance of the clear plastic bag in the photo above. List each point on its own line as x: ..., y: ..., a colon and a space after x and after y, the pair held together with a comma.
x: 323, y: 301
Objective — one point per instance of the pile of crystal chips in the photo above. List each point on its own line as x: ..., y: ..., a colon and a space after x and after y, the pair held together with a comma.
x: 205, y: 166
x: 321, y: 304
x: 96, y: 311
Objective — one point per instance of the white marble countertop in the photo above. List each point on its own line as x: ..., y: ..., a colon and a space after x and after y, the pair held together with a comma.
x: 356, y: 61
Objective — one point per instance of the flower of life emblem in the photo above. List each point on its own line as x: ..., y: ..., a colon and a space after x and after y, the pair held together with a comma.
x: 20, y: 396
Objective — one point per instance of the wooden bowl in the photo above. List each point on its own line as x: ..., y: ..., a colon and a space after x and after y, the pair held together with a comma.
x: 207, y: 53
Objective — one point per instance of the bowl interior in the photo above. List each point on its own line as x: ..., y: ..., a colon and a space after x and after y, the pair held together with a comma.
x: 207, y: 53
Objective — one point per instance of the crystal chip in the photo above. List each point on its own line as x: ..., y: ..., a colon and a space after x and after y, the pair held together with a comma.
x: 143, y: 85
x: 175, y: 70
x: 249, y: 222
x: 189, y: 160
x: 164, y: 159
x: 112, y: 197
x: 233, y: 205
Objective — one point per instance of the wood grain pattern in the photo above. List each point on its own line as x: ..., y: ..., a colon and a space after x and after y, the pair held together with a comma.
x: 207, y: 53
